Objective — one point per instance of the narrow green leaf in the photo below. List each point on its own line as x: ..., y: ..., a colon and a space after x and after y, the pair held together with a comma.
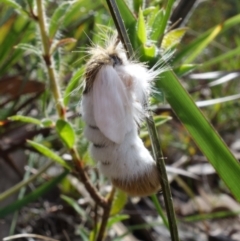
x: 202, y: 45
x: 221, y: 214
x: 66, y: 132
x: 141, y: 28
x: 205, y: 38
x: 129, y: 21
x: 15, y: 5
x: 229, y: 54
x: 76, y: 11
x: 116, y: 219
x: 164, y: 22
x: 39, y: 192
x: 29, y: 48
x: 83, y: 233
x: 147, y: 53
x: 48, y: 153
x: 207, y: 139
x: 155, y: 33
x: 160, y: 210
x: 149, y: 10
x: 184, y: 69
x: 119, y: 202
x: 173, y: 38
x: 25, y: 119
x: 5, y: 29
x: 57, y: 18
x: 137, y: 4
x: 73, y: 203
x: 73, y: 84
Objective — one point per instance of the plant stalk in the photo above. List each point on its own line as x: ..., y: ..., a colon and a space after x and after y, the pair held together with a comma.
x: 105, y: 216
x: 151, y: 126
x: 55, y: 89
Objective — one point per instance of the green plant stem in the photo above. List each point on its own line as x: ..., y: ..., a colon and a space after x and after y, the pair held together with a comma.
x: 120, y: 26
x: 55, y: 89
x: 24, y: 183
x: 151, y: 127
x: 105, y: 216
x: 163, y: 179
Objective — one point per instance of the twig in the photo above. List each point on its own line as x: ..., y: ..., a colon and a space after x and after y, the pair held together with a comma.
x: 55, y: 88
x: 105, y: 216
x: 85, y: 180
x: 151, y: 126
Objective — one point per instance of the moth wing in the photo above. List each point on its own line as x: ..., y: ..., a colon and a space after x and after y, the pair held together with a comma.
x: 109, y: 104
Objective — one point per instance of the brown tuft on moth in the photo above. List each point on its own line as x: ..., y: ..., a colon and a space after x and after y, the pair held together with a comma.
x: 113, y: 109
x: 143, y: 185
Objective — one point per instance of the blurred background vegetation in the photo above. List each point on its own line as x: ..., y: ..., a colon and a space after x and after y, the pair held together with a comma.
x: 38, y: 196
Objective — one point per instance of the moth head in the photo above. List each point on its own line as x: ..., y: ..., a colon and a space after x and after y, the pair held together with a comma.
x: 111, y: 54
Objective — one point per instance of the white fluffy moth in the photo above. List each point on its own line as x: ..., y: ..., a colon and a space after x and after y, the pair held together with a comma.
x: 113, y: 108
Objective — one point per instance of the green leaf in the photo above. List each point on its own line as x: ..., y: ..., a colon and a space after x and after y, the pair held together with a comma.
x: 229, y: 54
x: 13, y: 4
x: 47, y: 122
x: 66, y: 132
x: 173, y: 38
x: 83, y: 233
x: 184, y: 69
x: 119, y: 202
x: 129, y: 21
x: 148, y: 52
x: 28, y: 47
x: 166, y: 16
x: 200, y: 43
x: 137, y: 4
x: 73, y: 203
x: 155, y: 33
x: 141, y: 28
x: 204, y: 135
x: 5, y: 30
x: 73, y: 84
x: 221, y: 214
x: 25, y: 119
x: 57, y: 18
x: 116, y: 219
x: 48, y: 153
x: 160, y: 210
x: 32, y: 196
x: 149, y: 10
